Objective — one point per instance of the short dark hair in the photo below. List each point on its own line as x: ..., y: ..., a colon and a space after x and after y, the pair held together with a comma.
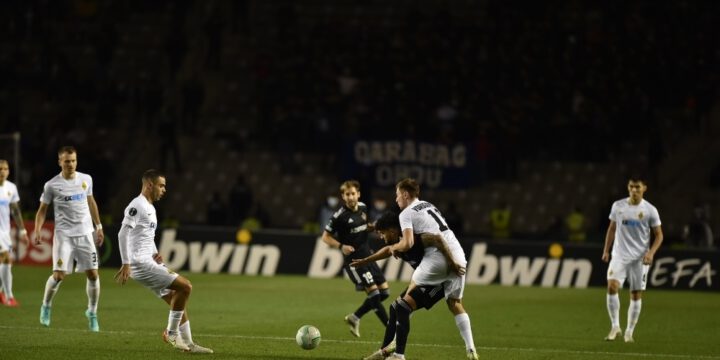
x: 67, y: 150
x: 638, y: 178
x: 409, y: 185
x: 388, y: 220
x: 152, y: 175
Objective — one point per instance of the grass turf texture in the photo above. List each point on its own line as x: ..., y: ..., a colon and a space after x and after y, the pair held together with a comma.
x: 257, y: 318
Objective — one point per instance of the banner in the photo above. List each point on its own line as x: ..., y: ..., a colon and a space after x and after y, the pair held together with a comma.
x: 31, y: 254
x: 509, y: 263
x: 384, y: 162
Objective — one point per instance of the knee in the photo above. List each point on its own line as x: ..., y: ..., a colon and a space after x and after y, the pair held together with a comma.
x: 187, y: 287
x: 455, y: 306
x: 613, y: 287
x: 59, y: 276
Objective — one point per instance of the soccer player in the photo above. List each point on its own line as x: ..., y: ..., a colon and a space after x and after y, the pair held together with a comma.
x: 631, y: 221
x: 388, y: 226
x: 71, y: 193
x: 141, y: 261
x: 9, y: 204
x: 421, y: 217
x: 347, y: 230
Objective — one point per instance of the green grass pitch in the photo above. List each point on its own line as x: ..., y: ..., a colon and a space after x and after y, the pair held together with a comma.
x: 256, y: 318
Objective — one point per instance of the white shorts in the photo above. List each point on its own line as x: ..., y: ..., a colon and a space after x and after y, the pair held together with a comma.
x: 69, y: 249
x: 433, y: 270
x: 633, y: 270
x: 5, y: 242
x: 153, y: 276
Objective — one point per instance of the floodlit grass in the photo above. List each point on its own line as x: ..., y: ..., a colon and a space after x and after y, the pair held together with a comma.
x: 256, y: 318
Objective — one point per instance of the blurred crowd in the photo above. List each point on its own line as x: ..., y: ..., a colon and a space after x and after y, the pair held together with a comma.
x: 568, y: 81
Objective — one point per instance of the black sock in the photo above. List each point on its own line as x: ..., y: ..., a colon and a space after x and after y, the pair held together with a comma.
x: 380, y: 310
x: 391, y: 326
x: 368, y: 304
x: 403, y: 325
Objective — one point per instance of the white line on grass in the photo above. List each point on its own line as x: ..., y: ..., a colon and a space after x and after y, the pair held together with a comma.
x: 489, y: 348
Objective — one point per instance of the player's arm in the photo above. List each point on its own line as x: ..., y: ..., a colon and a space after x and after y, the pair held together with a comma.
x: 438, y: 242
x: 657, y: 232
x: 383, y: 253
x: 609, y: 239
x: 122, y: 275
x: 335, y: 244
x: 19, y: 223
x: 39, y: 221
x: 95, y: 214
x: 406, y: 242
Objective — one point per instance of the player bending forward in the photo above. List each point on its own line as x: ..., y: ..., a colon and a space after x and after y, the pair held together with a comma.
x: 142, y: 262
x: 436, y: 275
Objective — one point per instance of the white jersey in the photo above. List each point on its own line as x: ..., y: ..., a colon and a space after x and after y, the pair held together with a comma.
x: 8, y: 195
x: 634, y: 222
x: 141, y: 217
x: 70, y: 203
x: 423, y: 217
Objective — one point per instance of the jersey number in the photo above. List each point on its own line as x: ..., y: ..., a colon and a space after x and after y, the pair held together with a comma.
x: 368, y: 277
x: 439, y: 221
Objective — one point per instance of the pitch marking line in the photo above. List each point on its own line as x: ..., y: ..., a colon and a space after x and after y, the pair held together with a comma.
x: 488, y: 348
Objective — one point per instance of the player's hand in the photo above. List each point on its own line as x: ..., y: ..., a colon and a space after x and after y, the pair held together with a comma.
x: 358, y: 262
x: 122, y: 275
x: 648, y: 258
x: 158, y: 258
x: 38, y: 237
x: 24, y: 238
x: 605, y: 256
x: 347, y: 249
x: 100, y: 237
x: 457, y: 269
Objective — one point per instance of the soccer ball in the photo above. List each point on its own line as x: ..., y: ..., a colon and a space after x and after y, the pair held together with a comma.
x: 308, y: 337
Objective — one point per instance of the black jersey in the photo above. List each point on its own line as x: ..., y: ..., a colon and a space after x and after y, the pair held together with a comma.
x: 350, y: 228
x: 415, y: 254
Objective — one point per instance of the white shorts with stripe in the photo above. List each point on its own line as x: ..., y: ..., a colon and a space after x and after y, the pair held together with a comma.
x: 69, y: 249
x: 433, y: 270
x: 633, y: 270
x: 154, y: 276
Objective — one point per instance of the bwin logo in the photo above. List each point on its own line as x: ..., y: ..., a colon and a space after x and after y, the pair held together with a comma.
x: 213, y: 257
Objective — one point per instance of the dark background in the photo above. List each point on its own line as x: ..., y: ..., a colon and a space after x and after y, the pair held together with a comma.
x: 557, y: 102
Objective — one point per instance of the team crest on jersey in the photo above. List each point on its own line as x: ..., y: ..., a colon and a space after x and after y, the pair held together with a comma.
x: 84, y: 185
x: 640, y: 215
x: 9, y: 194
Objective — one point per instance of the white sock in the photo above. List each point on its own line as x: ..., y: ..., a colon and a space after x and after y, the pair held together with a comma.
x: 174, y: 321
x: 51, y: 288
x: 92, y: 288
x: 463, y: 323
x: 613, y: 307
x: 633, y: 315
x: 6, y: 277
x: 185, y: 332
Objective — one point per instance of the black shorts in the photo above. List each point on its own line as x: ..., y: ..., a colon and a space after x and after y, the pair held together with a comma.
x: 365, y: 276
x: 426, y: 296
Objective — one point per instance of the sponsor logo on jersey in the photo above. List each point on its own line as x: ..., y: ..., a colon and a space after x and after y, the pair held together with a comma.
x: 358, y: 229
x: 76, y: 197
x: 632, y: 222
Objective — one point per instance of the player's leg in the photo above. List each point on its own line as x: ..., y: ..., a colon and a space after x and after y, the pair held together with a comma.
x: 185, y: 331
x: 384, y: 293
x: 177, y: 298
x: 615, y: 278
x: 363, y: 280
x: 404, y: 307
x: 454, y: 289
x: 6, y: 279
x: 87, y: 261
x: 62, y: 254
x: 638, y: 281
